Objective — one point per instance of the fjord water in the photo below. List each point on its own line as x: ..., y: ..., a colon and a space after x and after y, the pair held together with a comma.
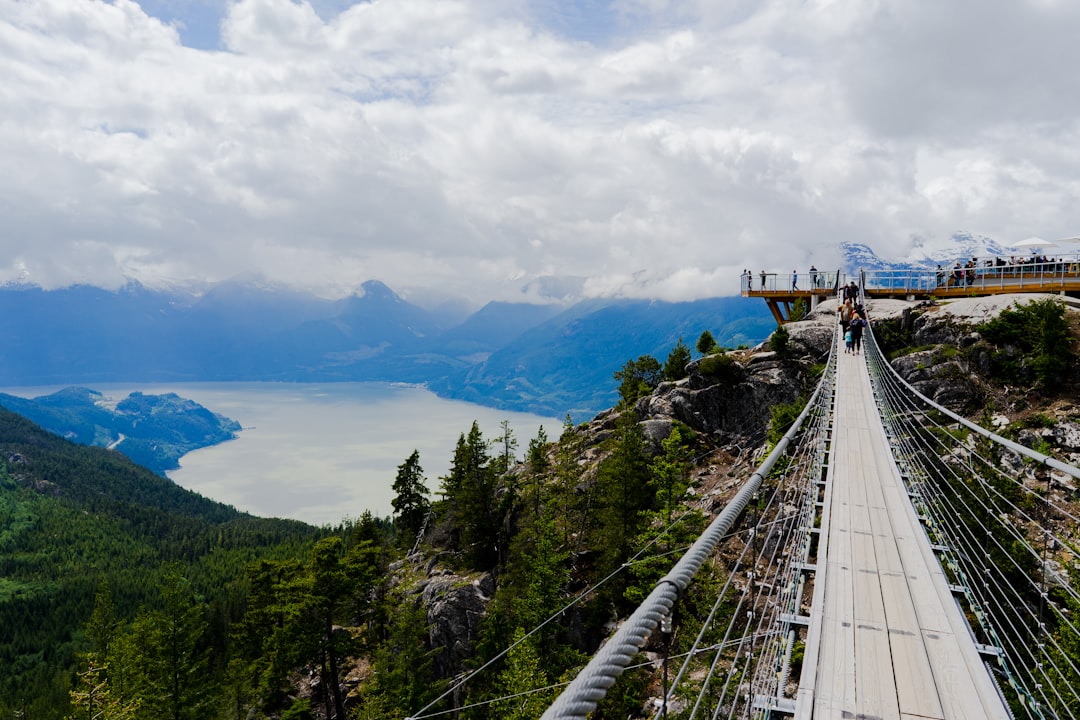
x: 323, y: 452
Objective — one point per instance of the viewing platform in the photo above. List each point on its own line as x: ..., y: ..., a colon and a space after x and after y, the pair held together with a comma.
x: 783, y: 290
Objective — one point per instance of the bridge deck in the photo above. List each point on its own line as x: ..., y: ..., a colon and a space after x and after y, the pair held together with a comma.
x: 887, y: 639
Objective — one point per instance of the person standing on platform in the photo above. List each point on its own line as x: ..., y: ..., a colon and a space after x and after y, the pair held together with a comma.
x: 763, y: 280
x: 794, y: 280
x: 813, y: 277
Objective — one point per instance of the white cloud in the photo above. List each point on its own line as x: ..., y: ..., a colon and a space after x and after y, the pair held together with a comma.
x: 485, y: 147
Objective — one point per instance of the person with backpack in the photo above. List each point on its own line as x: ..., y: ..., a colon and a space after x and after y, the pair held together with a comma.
x: 855, y: 327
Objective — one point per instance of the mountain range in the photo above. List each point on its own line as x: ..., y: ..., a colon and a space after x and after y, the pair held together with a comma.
x: 547, y: 359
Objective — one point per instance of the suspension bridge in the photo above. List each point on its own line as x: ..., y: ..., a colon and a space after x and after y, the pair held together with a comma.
x: 906, y: 564
x: 888, y: 559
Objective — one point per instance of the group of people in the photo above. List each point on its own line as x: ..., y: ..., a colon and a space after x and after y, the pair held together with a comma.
x: 964, y: 274
x: 816, y: 279
x: 852, y: 319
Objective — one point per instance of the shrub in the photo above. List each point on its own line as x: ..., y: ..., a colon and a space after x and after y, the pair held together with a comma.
x: 780, y: 341
x: 783, y: 416
x: 1035, y: 336
x: 720, y: 368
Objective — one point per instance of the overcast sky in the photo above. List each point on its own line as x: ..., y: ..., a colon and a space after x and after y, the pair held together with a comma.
x: 509, y: 149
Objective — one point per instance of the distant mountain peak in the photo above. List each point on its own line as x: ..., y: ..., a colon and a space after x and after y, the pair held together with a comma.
x: 377, y: 290
x: 923, y: 254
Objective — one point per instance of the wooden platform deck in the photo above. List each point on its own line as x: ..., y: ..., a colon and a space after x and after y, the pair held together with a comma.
x: 887, y: 639
x: 782, y: 290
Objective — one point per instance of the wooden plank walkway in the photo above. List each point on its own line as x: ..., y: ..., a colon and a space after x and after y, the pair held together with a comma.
x: 887, y: 639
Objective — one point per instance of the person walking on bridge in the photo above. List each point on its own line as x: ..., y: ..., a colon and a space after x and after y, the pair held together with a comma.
x: 794, y: 280
x: 856, y: 327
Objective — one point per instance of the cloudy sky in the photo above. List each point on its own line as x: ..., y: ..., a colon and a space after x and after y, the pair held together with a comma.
x: 515, y: 149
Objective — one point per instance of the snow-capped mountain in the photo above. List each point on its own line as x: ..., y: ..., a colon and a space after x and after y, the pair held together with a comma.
x: 960, y: 247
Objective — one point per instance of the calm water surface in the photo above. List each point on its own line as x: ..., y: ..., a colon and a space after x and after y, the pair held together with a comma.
x: 322, y: 452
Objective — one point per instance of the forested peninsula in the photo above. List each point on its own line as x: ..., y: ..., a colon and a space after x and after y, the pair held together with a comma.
x: 155, y: 431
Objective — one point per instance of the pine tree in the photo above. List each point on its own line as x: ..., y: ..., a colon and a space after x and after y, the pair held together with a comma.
x: 539, y: 467
x: 519, y: 681
x: 479, y: 513
x: 676, y: 362
x: 706, y: 343
x: 624, y: 493
x: 410, y: 503
x: 638, y: 378
x: 165, y: 656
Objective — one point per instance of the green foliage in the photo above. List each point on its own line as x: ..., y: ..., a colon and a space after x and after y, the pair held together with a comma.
x: 638, y: 378
x: 539, y: 467
x: 1030, y: 338
x: 79, y: 521
x: 720, y: 369
x: 410, y: 503
x: 706, y: 343
x: 473, y: 510
x: 780, y: 342
x: 783, y: 415
x: 625, y: 491
x: 403, y: 678
x: 670, y: 469
x: 523, y: 674
x: 1038, y: 420
x: 799, y: 309
x: 675, y: 364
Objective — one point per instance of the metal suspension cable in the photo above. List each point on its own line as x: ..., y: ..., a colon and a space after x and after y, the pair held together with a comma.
x: 778, y: 574
x: 636, y: 558
x: 956, y: 486
x: 591, y: 684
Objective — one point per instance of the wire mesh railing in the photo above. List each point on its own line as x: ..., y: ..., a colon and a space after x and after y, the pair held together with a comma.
x: 744, y: 626
x: 1003, y: 519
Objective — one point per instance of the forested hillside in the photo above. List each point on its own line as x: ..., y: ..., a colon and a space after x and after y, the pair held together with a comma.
x: 74, y: 520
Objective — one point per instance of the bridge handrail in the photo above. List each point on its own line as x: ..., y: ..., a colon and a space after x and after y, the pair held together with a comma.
x: 978, y: 277
x: 591, y: 684
x: 994, y: 437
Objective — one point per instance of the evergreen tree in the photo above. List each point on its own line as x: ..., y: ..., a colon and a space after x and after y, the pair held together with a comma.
x: 332, y: 581
x: 669, y: 471
x: 676, y: 362
x: 624, y: 494
x: 539, y: 466
x: 477, y: 508
x: 706, y: 343
x: 507, y: 446
x: 518, y: 682
x: 94, y: 698
x: 638, y: 378
x: 410, y: 503
x: 166, y: 658
x: 403, y: 665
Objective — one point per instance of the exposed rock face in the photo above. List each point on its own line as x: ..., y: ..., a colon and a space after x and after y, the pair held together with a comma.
x: 946, y: 382
x: 733, y: 402
x: 455, y: 605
